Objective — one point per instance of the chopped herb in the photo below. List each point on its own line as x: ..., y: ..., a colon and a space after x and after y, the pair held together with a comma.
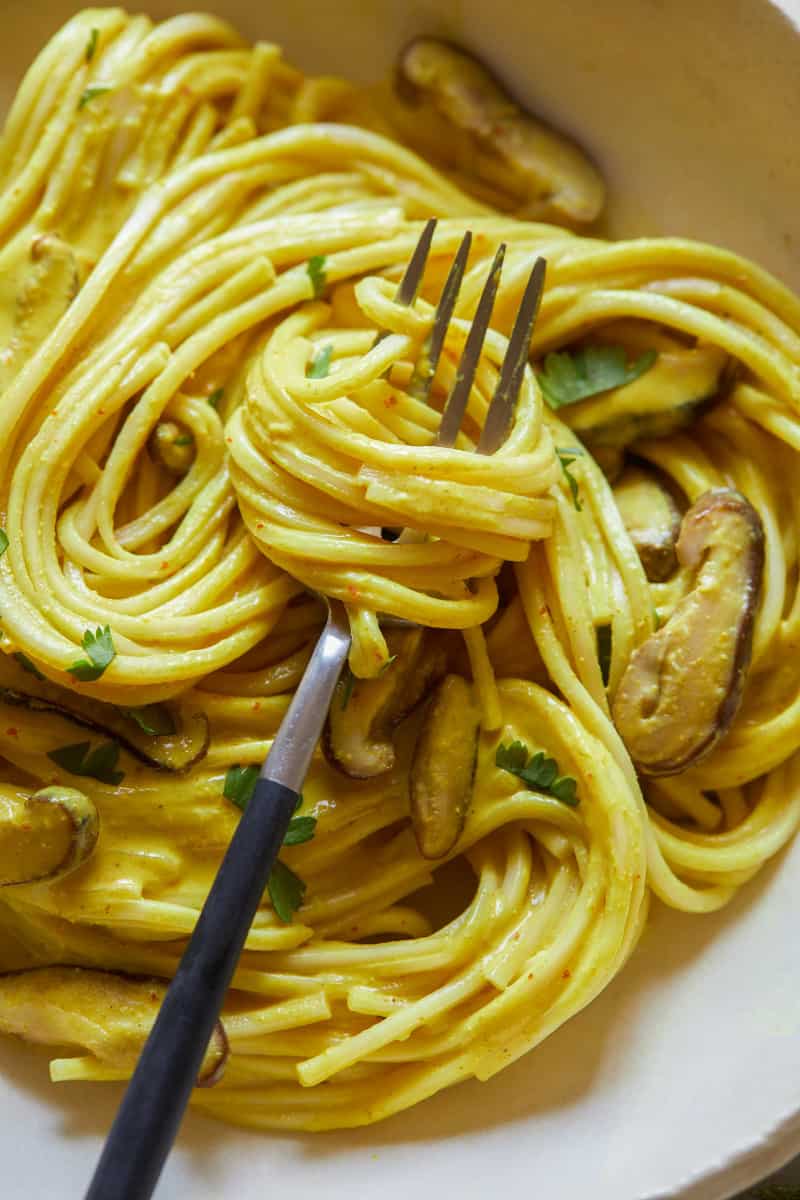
x: 301, y: 829
x: 657, y: 622
x: 240, y: 783
x: 99, y: 647
x: 320, y: 364
x: 92, y: 45
x: 316, y: 273
x: 566, y: 456
x: 100, y: 763
x: 286, y: 891
x: 185, y: 439
x: 28, y: 665
x: 216, y: 397
x: 603, y: 634
x: 392, y: 658
x: 349, y: 682
x: 574, y: 375
x: 99, y: 89
x: 539, y: 772
x: 153, y: 719
x: 3, y: 542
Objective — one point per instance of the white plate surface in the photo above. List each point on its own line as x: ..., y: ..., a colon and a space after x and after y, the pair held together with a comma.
x: 683, y: 1079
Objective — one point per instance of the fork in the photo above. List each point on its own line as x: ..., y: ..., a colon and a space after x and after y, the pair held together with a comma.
x: 151, y: 1110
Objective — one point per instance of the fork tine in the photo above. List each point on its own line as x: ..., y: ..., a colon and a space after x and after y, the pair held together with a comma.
x: 504, y: 401
x: 409, y: 285
x: 428, y: 361
x: 456, y: 404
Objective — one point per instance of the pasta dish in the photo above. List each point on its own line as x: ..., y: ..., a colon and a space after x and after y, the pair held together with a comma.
x: 211, y: 418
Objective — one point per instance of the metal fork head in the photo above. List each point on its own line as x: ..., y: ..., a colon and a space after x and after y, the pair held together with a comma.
x: 501, y: 410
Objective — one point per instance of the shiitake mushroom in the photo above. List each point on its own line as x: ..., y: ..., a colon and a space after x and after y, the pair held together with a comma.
x: 443, y: 767
x: 683, y: 686
x: 493, y: 137
x: 46, y: 835
x: 652, y: 518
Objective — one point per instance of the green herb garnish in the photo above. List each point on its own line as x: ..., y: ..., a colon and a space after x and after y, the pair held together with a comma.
x: 286, y: 890
x: 316, y: 273
x: 153, y: 719
x: 3, y: 542
x: 603, y: 635
x: 28, y: 664
x: 566, y: 456
x: 185, y: 439
x: 320, y: 365
x: 92, y: 45
x: 99, y: 89
x: 240, y: 783
x: 574, y: 375
x: 99, y: 647
x: 100, y: 763
x: 538, y: 772
x: 216, y: 397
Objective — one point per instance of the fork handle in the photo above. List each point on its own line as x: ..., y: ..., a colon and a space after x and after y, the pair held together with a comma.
x: 151, y: 1111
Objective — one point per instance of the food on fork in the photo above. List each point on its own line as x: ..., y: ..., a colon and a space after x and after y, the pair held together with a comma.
x: 215, y: 407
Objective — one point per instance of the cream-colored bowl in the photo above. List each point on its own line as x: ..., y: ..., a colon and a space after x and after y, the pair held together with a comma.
x: 683, y: 1079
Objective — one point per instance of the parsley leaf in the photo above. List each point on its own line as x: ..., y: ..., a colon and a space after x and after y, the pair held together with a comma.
x: 185, y: 439
x: 301, y: 829
x: 286, y: 891
x: 603, y: 635
x: 574, y: 375
x: 92, y: 45
x: 316, y: 273
x: 100, y: 763
x: 153, y: 719
x: 28, y: 665
x: 539, y: 772
x: 240, y: 783
x: 320, y: 364
x: 566, y: 456
x: 99, y: 647
x: 3, y: 542
x: 99, y: 89
x: 216, y: 397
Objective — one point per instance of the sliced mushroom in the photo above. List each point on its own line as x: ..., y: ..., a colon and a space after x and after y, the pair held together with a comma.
x: 173, y: 447
x: 443, y: 767
x: 490, y: 136
x: 49, y: 282
x: 176, y: 751
x: 652, y: 518
x: 358, y: 733
x: 667, y: 397
x: 46, y: 835
x: 683, y: 686
x: 103, y: 1013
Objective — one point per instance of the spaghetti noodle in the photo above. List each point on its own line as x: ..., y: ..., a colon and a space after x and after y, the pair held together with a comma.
x: 201, y: 426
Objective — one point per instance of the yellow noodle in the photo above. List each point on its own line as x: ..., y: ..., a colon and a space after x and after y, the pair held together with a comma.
x: 171, y: 221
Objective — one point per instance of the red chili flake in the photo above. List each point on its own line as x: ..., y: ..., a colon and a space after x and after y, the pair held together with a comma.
x: 391, y: 400
x: 257, y: 707
x: 259, y: 524
x: 229, y: 441
x: 26, y: 828
x: 165, y: 566
x: 12, y: 732
x: 352, y: 591
x: 566, y: 974
x: 530, y: 976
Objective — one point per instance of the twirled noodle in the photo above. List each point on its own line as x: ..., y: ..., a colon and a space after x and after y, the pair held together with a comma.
x: 182, y: 209
x: 317, y: 460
